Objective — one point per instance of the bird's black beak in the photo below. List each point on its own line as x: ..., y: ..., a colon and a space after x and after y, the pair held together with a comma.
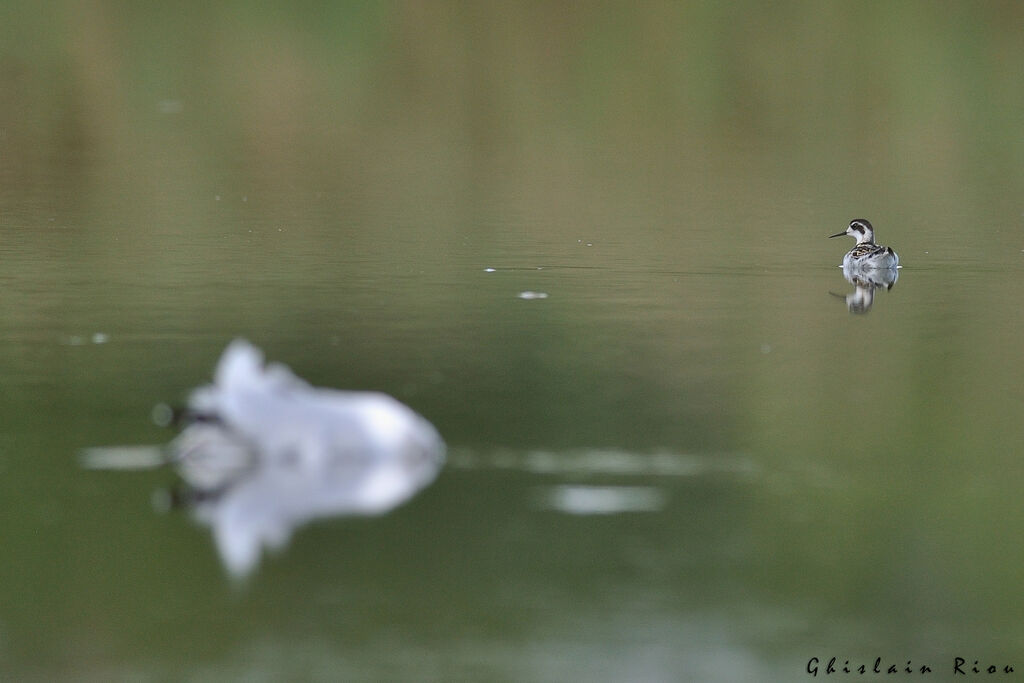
x: 838, y: 234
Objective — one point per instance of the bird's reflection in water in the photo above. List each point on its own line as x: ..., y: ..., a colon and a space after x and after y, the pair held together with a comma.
x: 263, y: 453
x: 865, y: 282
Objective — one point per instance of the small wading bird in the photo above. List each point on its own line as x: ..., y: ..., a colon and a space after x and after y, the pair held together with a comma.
x: 866, y: 254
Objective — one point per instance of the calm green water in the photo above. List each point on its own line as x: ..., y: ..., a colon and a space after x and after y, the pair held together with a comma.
x: 779, y: 479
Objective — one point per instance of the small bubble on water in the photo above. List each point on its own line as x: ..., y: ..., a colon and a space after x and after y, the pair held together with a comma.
x: 100, y: 338
x: 528, y: 295
x: 162, y: 415
x: 490, y: 270
x: 169, y: 106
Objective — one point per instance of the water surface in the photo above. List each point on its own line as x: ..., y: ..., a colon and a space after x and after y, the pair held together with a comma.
x: 689, y: 461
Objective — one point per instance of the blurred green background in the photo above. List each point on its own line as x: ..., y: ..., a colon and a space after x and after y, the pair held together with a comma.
x: 331, y: 180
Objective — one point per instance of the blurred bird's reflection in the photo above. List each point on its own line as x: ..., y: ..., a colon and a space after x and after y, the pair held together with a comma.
x: 865, y: 282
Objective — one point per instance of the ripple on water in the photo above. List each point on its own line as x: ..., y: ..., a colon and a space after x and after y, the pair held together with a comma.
x: 601, y: 500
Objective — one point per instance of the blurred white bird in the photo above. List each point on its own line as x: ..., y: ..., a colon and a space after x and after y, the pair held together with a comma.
x: 265, y: 452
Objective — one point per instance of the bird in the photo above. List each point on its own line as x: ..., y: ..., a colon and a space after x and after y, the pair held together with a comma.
x: 263, y: 453
x: 866, y: 254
